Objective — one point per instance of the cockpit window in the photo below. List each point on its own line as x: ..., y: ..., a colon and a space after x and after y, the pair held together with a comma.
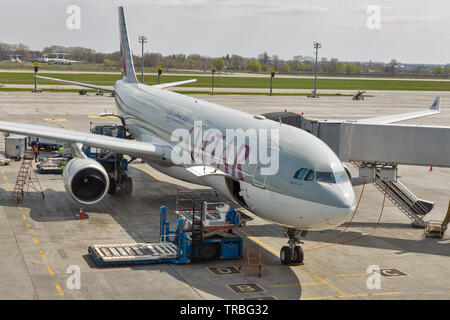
x: 327, y: 177
x: 309, y: 176
x: 300, y: 174
x: 341, y: 177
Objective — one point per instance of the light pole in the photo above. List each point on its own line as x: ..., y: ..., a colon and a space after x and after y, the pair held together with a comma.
x: 36, y: 69
x: 160, y: 67
x: 317, y: 46
x: 213, y: 69
x: 142, y: 40
x: 272, y: 75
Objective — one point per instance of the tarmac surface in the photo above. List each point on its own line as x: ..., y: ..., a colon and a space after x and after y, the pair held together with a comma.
x: 42, y: 242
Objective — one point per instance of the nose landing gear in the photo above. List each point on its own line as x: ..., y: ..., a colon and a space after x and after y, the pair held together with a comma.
x: 293, y: 253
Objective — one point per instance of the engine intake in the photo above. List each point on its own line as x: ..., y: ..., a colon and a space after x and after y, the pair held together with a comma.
x: 86, y: 180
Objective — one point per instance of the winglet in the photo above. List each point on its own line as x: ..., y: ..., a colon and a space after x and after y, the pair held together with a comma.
x: 436, y: 104
x: 173, y: 84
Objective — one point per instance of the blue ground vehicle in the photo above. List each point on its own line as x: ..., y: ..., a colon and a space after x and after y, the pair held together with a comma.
x: 179, y: 246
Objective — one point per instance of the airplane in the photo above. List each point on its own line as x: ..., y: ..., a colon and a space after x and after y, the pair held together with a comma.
x: 14, y: 60
x: 309, y: 189
x: 46, y: 59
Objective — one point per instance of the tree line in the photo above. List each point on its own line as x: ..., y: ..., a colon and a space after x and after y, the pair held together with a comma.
x: 262, y: 63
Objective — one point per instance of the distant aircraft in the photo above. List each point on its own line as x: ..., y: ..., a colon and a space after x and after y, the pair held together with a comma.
x: 310, y: 190
x: 14, y: 59
x: 57, y: 60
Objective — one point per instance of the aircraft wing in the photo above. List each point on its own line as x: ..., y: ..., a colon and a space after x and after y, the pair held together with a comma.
x: 434, y: 109
x: 157, y: 152
x: 81, y: 84
x: 173, y: 84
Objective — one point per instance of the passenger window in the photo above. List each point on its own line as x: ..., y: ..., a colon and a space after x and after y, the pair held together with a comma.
x: 310, y: 176
x: 300, y: 174
x: 327, y: 177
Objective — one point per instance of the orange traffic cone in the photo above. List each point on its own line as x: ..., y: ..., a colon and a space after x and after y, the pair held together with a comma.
x: 82, y: 215
x: 431, y: 168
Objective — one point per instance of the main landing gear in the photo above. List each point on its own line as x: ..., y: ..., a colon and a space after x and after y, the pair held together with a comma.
x: 293, y: 253
x: 118, y: 178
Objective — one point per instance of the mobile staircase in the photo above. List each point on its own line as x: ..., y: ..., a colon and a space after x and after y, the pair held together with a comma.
x: 414, y: 208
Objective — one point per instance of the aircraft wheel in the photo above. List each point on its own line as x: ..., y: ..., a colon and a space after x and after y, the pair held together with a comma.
x: 128, y: 186
x: 298, y: 254
x: 285, y: 255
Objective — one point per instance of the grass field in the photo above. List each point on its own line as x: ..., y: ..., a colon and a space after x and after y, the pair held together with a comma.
x: 243, y: 82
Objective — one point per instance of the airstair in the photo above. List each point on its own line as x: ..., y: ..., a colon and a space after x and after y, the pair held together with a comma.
x: 414, y: 208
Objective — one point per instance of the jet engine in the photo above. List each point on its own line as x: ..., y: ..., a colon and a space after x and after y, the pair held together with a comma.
x: 86, y: 180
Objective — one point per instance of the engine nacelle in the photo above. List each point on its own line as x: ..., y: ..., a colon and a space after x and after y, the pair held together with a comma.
x: 86, y: 180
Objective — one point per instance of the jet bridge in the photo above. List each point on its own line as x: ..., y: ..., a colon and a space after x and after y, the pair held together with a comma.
x: 377, y: 144
x: 377, y: 149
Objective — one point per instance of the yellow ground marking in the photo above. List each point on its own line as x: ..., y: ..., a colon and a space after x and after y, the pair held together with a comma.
x: 29, y: 227
x: 100, y: 117
x: 68, y: 127
x: 42, y: 254
x: 352, y: 295
x: 35, y: 240
x: 322, y: 280
x: 301, y: 267
x: 9, y: 184
x: 56, y: 119
x: 260, y: 242
x: 24, y: 216
x: 297, y: 284
x: 50, y: 271
x: 60, y: 291
x: 345, y: 275
x: 147, y: 172
x: 6, y: 178
x: 3, y: 171
x: 19, y: 206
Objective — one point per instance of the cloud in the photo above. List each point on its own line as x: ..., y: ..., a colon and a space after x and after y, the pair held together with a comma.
x: 294, y: 9
x: 408, y: 19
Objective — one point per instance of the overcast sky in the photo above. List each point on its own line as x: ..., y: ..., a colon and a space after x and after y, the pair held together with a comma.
x: 412, y: 31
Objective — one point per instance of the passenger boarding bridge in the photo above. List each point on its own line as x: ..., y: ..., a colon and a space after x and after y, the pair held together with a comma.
x: 377, y: 149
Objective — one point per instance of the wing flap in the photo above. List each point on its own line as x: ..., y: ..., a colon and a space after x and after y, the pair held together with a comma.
x: 434, y: 109
x: 202, y: 171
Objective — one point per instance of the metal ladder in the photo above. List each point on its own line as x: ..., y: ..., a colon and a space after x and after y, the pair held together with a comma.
x: 26, y: 179
x: 405, y: 200
x: 254, y: 260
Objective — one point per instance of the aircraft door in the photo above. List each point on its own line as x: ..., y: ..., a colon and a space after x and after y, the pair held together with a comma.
x: 259, y: 180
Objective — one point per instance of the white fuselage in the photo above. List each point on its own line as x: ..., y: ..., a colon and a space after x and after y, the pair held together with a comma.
x: 306, y: 205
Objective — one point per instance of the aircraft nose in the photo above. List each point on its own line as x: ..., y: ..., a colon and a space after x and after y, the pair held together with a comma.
x: 342, y: 196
